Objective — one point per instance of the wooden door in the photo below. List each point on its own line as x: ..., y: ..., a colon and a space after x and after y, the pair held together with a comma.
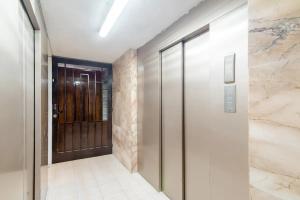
x: 81, y: 113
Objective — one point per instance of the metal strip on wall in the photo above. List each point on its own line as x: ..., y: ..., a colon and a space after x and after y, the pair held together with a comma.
x: 31, y: 14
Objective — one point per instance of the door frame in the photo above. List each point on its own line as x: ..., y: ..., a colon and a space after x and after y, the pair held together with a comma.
x: 29, y: 10
x: 33, y: 18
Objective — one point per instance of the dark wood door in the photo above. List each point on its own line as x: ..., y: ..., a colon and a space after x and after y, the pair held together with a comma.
x: 81, y: 113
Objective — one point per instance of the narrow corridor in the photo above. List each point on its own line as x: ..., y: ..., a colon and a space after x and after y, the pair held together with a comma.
x: 199, y: 98
x: 98, y: 178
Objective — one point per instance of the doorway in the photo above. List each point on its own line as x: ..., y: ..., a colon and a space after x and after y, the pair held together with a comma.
x: 81, y: 99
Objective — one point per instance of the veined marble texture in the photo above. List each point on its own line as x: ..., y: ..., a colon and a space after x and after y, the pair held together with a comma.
x: 124, y: 122
x: 270, y: 186
x: 274, y: 110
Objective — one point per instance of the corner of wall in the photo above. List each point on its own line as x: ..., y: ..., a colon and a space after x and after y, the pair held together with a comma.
x: 124, y: 122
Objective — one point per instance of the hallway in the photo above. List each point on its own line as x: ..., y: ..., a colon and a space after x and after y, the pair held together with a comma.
x: 98, y: 178
x: 150, y: 100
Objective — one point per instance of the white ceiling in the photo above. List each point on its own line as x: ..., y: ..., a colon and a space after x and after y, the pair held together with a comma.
x: 73, y: 25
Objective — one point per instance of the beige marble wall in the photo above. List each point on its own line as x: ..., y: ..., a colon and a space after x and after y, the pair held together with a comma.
x: 274, y: 63
x: 125, y: 109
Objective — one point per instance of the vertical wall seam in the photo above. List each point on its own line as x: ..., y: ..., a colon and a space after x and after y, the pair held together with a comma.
x: 183, y: 122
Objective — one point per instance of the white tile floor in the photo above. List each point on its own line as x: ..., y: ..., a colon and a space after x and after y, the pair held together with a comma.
x: 99, y: 178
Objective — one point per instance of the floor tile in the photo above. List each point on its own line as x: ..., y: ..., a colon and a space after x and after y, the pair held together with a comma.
x: 99, y: 178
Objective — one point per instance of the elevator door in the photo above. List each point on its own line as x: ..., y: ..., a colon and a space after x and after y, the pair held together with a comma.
x: 197, y: 94
x: 172, y: 157
x: 16, y: 103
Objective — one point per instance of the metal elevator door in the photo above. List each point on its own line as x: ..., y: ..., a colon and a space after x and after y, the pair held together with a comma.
x: 17, y: 103
x: 172, y: 110
x: 197, y: 110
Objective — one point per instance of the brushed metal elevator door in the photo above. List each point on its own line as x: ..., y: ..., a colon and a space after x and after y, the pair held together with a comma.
x: 172, y: 154
x: 197, y: 111
x: 16, y: 103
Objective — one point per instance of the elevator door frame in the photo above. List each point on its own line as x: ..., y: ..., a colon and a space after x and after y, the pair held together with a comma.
x: 181, y: 41
x: 30, y: 138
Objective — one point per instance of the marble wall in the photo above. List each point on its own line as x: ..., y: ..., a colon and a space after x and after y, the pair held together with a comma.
x: 274, y: 66
x: 125, y: 109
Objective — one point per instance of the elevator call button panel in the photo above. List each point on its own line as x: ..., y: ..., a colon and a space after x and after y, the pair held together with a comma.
x: 229, y: 69
x: 230, y: 99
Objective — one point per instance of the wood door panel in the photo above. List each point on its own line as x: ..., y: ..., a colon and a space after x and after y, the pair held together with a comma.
x: 76, y: 135
x: 91, y: 94
x: 61, y: 138
x: 98, y: 97
x: 98, y: 134
x: 105, y: 136
x: 84, y: 96
x: 68, y: 137
x: 61, y: 95
x: 80, y: 129
x: 91, y: 135
x: 77, y: 96
x: 84, y: 135
x: 69, y: 96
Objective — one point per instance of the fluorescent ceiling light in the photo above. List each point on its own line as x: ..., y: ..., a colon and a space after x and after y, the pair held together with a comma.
x: 114, y: 13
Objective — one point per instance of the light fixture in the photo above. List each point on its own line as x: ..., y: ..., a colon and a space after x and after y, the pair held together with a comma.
x: 114, y: 13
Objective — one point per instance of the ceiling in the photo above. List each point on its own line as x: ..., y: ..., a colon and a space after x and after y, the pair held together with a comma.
x: 73, y: 25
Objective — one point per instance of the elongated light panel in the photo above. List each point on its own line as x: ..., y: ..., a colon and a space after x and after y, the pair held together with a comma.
x: 114, y: 13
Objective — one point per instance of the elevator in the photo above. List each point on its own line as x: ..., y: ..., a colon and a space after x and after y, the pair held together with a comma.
x: 184, y: 90
x: 204, y: 111
x: 17, y: 86
x: 172, y: 146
